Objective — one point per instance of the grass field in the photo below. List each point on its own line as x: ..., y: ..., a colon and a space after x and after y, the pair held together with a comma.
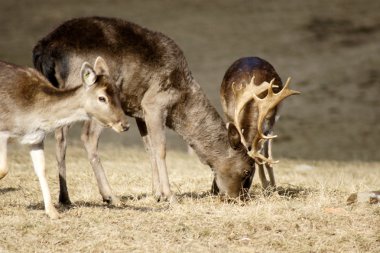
x: 308, y: 214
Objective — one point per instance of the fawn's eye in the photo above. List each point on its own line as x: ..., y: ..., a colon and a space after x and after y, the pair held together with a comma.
x: 102, y: 99
x: 246, y: 173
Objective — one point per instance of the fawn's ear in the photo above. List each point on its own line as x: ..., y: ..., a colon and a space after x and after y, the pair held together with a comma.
x: 87, y: 74
x: 101, y: 67
x: 234, y: 136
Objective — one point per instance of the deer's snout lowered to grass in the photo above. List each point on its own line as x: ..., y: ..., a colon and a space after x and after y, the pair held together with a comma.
x: 250, y: 94
x: 30, y: 107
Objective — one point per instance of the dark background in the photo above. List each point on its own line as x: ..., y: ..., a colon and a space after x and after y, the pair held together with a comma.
x: 331, y: 49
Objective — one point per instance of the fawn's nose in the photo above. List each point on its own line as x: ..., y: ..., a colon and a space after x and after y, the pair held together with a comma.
x: 120, y: 126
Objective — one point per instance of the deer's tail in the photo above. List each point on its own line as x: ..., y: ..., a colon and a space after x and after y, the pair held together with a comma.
x: 44, y: 62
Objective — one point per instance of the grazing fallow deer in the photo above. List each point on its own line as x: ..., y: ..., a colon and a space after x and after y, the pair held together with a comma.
x: 250, y: 93
x: 158, y: 90
x: 30, y: 107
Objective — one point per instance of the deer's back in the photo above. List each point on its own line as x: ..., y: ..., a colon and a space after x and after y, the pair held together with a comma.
x: 137, y: 57
x: 241, y: 72
x: 20, y: 87
x: 21, y: 92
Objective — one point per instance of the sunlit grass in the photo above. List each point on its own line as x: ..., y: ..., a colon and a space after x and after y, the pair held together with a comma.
x: 308, y: 214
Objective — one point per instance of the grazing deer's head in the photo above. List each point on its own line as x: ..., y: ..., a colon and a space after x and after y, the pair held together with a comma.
x: 102, y: 100
x: 264, y: 106
x: 234, y: 175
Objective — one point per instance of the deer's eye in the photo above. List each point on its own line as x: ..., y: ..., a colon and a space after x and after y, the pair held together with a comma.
x: 246, y: 173
x: 102, y: 99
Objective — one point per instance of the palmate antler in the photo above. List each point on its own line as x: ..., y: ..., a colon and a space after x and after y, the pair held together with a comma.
x: 251, y: 91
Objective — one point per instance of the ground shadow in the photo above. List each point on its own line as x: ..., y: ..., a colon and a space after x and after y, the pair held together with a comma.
x: 84, y: 204
x: 195, y: 195
x: 286, y: 191
x: 8, y: 189
x: 134, y: 197
x: 294, y: 191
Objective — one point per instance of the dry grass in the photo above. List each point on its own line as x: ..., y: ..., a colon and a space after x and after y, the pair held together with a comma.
x: 309, y: 215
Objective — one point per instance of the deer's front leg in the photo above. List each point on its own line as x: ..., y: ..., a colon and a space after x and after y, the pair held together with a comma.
x: 269, y: 167
x: 155, y: 116
x: 148, y: 148
x: 38, y: 158
x: 90, y: 137
x: 3, y: 155
x: 263, y: 178
x: 267, y: 152
x: 60, y: 149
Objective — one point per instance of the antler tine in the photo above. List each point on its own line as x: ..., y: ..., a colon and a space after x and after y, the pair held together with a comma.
x: 243, y: 96
x: 270, y: 88
x: 269, y: 102
x: 261, y: 159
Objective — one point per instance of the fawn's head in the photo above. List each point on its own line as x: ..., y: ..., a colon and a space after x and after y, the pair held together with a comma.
x: 102, y: 97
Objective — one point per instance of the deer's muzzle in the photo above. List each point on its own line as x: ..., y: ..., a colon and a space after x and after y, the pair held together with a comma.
x: 121, y: 126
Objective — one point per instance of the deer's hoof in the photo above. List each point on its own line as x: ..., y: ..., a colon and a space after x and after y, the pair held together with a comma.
x: 158, y: 197
x: 115, y: 201
x: 64, y: 198
x: 52, y: 213
x: 65, y: 201
x: 173, y: 200
x: 112, y: 201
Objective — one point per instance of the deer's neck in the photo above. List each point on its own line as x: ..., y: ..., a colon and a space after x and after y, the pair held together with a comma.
x: 61, y: 107
x: 198, y: 122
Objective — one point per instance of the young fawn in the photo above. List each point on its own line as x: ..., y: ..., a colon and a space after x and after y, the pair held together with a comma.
x: 30, y: 107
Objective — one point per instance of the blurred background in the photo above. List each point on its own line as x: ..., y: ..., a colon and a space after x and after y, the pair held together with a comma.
x: 331, y: 49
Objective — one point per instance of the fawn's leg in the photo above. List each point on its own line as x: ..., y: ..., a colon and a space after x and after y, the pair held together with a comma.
x: 38, y: 159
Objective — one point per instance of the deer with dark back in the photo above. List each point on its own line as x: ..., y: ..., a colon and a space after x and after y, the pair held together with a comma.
x: 157, y: 89
x: 250, y: 93
x: 30, y: 107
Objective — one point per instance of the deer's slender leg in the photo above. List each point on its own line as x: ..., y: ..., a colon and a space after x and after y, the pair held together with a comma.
x: 90, y: 136
x: 148, y: 147
x: 3, y: 155
x: 268, y: 151
x: 155, y: 104
x: 60, y: 154
x: 38, y: 158
x: 263, y: 178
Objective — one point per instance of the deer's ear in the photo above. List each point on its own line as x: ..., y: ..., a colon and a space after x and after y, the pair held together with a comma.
x: 87, y: 74
x: 101, y: 67
x: 233, y: 136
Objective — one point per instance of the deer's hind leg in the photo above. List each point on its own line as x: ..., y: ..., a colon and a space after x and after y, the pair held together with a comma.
x: 148, y: 148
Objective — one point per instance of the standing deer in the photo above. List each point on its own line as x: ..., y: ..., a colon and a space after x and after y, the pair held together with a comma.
x: 157, y: 89
x: 250, y: 93
x: 30, y: 107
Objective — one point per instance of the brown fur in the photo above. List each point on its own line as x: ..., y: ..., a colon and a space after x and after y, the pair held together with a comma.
x: 157, y: 89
